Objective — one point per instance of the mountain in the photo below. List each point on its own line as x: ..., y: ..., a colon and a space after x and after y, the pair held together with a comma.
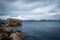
x: 4, y: 21
x: 41, y: 20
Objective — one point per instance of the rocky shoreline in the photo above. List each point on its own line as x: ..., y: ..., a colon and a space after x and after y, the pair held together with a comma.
x: 7, y: 33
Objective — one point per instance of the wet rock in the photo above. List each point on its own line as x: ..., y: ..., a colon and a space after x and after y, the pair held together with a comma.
x: 11, y: 35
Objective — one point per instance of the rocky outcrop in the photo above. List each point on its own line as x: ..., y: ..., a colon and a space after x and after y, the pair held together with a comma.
x: 1, y: 24
x: 14, y: 22
x: 11, y: 35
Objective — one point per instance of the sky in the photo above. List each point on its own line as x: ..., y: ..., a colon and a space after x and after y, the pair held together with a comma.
x: 30, y: 9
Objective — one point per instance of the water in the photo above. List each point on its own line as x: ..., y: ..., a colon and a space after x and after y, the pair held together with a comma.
x: 40, y: 30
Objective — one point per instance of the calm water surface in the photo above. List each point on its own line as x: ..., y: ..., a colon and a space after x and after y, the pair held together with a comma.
x: 40, y: 30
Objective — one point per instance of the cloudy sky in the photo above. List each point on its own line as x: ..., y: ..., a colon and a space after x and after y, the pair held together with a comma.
x: 30, y: 9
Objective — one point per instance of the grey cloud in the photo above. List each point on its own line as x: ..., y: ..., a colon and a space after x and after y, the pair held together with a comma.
x: 50, y: 1
x: 29, y: 8
x: 3, y: 7
x: 29, y: 1
x: 11, y: 0
x: 57, y: 16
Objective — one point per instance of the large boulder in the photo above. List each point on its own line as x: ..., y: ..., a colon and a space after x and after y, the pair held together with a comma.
x: 14, y: 22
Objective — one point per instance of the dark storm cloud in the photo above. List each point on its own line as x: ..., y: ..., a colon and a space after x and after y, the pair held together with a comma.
x: 30, y: 9
x: 3, y: 7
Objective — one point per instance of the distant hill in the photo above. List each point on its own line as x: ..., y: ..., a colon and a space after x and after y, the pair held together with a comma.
x: 3, y: 21
x: 50, y: 20
x: 42, y: 20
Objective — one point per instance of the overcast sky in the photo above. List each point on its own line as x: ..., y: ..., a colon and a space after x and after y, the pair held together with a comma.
x: 30, y: 9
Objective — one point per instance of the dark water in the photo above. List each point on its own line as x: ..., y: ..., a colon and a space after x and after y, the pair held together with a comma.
x: 40, y: 30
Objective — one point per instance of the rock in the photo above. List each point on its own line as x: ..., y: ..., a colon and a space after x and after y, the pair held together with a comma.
x: 14, y: 35
x: 14, y: 22
x: 20, y: 34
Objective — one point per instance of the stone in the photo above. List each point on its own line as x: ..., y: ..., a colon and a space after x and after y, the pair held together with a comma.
x: 14, y: 22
